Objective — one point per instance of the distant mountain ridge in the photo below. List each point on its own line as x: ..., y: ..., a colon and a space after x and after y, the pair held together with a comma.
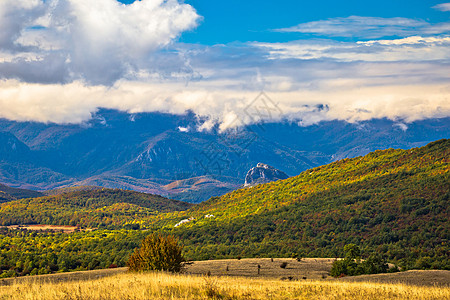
x: 148, y: 152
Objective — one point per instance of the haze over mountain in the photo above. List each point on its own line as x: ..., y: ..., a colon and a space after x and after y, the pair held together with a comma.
x: 167, y: 154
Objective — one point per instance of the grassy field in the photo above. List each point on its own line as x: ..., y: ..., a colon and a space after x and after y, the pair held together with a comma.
x: 159, y: 285
x: 412, y: 277
x: 307, y: 268
x: 54, y: 228
x: 241, y: 281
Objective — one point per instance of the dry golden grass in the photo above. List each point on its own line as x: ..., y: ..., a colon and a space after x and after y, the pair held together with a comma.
x: 309, y: 268
x: 63, y: 228
x: 414, y: 277
x: 158, y: 285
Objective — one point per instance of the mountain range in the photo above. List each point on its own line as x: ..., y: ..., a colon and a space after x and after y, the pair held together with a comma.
x: 165, y: 154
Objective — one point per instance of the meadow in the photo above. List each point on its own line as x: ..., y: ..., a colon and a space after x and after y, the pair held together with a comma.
x: 160, y: 285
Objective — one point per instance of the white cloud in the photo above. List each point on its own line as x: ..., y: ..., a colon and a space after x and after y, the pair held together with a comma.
x: 206, y: 125
x: 15, y: 16
x: 101, y: 41
x: 442, y: 7
x: 352, y: 99
x: 62, y: 60
x: 412, y: 40
x: 402, y: 126
x: 415, y: 48
x: 368, y: 27
x: 183, y: 129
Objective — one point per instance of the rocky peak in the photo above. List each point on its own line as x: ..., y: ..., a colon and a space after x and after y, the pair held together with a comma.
x: 263, y: 173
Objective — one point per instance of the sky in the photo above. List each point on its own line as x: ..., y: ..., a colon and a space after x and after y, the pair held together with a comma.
x: 230, y: 62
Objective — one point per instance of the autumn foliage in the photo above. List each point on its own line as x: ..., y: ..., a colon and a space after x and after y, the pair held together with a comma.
x: 157, y: 252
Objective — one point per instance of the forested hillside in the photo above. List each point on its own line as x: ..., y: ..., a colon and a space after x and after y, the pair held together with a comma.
x: 88, y: 208
x: 30, y: 253
x: 8, y: 193
x: 393, y: 202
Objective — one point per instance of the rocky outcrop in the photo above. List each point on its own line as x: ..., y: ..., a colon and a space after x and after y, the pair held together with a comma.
x: 263, y: 173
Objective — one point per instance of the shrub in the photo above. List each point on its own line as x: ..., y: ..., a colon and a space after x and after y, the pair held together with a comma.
x: 157, y: 252
x: 343, y: 267
x: 283, y: 265
x: 374, y: 264
x: 351, y: 264
x: 352, y: 251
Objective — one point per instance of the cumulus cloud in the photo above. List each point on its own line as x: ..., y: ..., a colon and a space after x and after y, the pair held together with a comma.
x: 101, y: 41
x: 442, y: 7
x: 368, y: 27
x: 321, y: 85
x: 15, y: 16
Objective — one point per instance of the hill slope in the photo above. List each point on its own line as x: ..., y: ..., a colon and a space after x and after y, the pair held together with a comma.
x: 91, y: 208
x: 8, y: 193
x: 391, y: 201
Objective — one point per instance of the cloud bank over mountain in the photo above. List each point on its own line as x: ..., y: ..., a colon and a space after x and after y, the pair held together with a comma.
x: 60, y: 60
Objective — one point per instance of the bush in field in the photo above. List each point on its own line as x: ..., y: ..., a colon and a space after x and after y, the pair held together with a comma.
x: 157, y: 252
x: 352, y: 265
x: 352, y: 251
x: 374, y: 264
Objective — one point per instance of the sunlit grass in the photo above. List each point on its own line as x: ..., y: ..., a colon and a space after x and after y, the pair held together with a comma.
x: 168, y: 286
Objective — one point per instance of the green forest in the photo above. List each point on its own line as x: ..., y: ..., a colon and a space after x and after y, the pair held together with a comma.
x: 102, y: 208
x: 390, y: 202
x: 25, y: 252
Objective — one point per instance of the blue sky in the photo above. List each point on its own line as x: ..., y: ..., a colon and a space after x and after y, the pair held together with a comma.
x: 234, y: 20
x: 60, y: 60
